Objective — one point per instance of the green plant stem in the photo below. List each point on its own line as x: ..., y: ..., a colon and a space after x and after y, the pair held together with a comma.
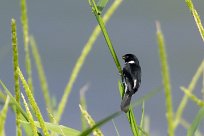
x: 184, y: 100
x: 196, y: 17
x: 33, y: 103
x: 166, y: 80
x: 41, y: 74
x: 16, y: 78
x: 106, y: 36
x: 90, y: 121
x: 3, y: 115
x: 82, y: 92
x: 24, y: 21
x: 30, y: 117
x: 193, y: 97
x: 86, y: 50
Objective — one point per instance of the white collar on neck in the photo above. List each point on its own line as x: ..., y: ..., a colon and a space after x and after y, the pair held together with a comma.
x: 131, y: 62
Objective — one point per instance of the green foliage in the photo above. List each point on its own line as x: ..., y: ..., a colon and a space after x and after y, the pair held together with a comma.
x: 24, y: 21
x: 31, y: 126
x: 59, y: 129
x: 3, y: 115
x: 13, y: 100
x: 30, y: 117
x: 192, y: 129
x: 15, y: 66
x: 101, y: 4
x: 79, y: 63
x: 166, y: 80
x: 105, y: 34
x: 91, y: 122
x: 116, y: 129
x: 100, y: 123
x: 33, y: 103
x: 190, y: 88
x: 194, y: 98
x: 196, y: 17
x: 83, y: 90
x: 41, y: 75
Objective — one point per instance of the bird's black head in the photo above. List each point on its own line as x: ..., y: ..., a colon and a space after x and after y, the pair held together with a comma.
x: 131, y: 59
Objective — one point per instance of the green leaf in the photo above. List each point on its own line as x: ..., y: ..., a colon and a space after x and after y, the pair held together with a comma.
x: 196, y: 122
x: 3, y: 115
x: 147, y: 96
x: 90, y: 121
x: 59, y: 129
x: 33, y: 103
x: 13, y: 100
x: 100, y: 123
x: 116, y: 129
x: 166, y: 79
x: 121, y: 88
x: 82, y: 91
x: 101, y: 4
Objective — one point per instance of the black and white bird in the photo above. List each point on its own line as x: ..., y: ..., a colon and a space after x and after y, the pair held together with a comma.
x: 131, y: 79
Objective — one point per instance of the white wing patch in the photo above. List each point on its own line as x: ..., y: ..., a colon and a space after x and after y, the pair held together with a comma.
x: 131, y: 62
x: 135, y: 83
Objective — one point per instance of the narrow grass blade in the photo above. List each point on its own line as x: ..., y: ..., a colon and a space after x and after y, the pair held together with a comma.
x: 196, y: 122
x: 121, y: 88
x: 24, y: 21
x: 146, y: 124
x: 202, y: 90
x: 186, y: 125
x: 132, y: 121
x: 82, y: 91
x: 192, y: 96
x: 87, y: 48
x: 13, y: 100
x: 147, y: 96
x: 142, y: 118
x: 3, y: 115
x: 91, y: 122
x: 166, y: 79
x: 130, y: 115
x: 196, y: 17
x: 101, y: 4
x: 100, y: 123
x: 15, y: 66
x: 2, y: 96
x: 116, y: 129
x: 59, y: 129
x: 184, y: 100
x: 30, y: 117
x: 41, y: 75
x: 33, y: 103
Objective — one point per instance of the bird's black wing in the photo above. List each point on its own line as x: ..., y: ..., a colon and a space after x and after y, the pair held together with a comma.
x: 128, y: 81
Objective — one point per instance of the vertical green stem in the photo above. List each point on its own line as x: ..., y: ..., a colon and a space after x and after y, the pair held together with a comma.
x: 108, y: 41
x: 41, y: 75
x: 166, y: 80
x: 16, y: 77
x: 33, y: 103
x: 24, y: 21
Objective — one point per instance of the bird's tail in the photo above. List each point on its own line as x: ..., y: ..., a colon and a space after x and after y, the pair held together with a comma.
x: 125, y: 103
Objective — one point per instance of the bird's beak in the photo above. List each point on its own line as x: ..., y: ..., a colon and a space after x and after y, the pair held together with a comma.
x: 123, y: 57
